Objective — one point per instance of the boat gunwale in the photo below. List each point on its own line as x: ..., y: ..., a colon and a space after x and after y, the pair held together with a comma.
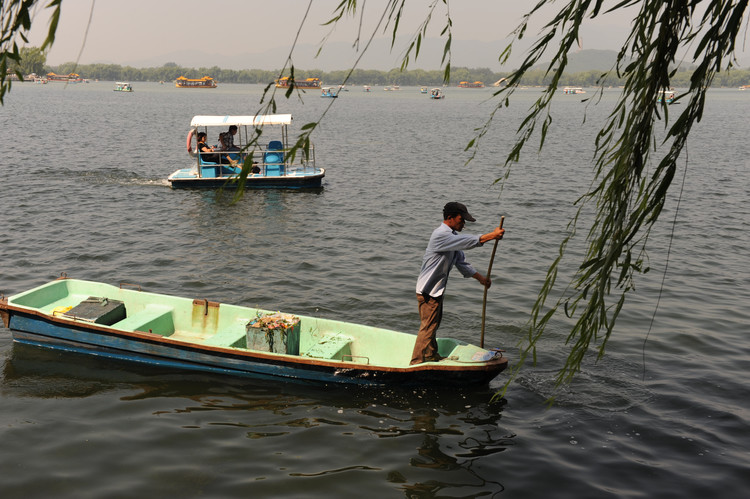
x: 236, y: 176
x: 303, y: 181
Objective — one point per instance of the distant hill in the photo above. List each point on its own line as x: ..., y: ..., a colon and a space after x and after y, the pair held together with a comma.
x: 603, y: 60
x: 336, y: 56
x: 340, y: 56
x: 587, y: 60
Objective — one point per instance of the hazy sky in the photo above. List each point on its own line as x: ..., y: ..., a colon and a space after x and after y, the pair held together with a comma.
x: 153, y: 32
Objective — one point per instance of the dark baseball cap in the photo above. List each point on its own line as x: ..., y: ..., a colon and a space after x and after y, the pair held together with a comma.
x: 454, y: 208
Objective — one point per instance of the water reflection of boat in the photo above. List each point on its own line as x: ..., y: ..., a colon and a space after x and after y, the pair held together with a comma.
x: 198, y: 334
x: 222, y: 168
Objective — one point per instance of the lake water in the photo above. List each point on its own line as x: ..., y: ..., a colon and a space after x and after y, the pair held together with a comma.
x: 666, y: 413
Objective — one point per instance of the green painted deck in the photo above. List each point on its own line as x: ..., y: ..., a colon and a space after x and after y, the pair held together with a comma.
x: 223, y: 325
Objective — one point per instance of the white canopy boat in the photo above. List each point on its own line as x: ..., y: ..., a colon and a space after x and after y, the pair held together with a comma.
x: 272, y: 165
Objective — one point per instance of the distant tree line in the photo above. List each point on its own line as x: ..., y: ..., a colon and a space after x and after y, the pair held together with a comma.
x: 33, y: 60
x: 170, y: 71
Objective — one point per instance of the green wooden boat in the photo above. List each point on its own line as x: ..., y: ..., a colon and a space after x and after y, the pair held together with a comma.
x: 198, y: 334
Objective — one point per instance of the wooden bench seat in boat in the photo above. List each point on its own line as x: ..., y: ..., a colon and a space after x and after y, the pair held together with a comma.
x: 331, y: 346
x: 156, y: 318
x: 234, y: 335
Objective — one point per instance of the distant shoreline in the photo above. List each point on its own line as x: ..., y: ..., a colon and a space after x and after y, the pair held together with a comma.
x: 414, y: 77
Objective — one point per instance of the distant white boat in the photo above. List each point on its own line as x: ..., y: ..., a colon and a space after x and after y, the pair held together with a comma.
x: 573, y: 90
x: 329, y: 92
x: 122, y: 86
x: 437, y: 93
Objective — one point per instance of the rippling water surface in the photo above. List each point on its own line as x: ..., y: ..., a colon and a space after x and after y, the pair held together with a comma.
x: 82, y: 191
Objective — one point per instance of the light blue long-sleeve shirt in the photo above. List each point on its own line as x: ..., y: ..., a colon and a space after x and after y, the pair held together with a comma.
x: 443, y: 252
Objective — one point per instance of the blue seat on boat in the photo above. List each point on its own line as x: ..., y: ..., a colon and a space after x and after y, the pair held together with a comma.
x: 231, y: 170
x: 205, y: 162
x: 274, y: 158
x: 275, y: 169
x: 209, y: 171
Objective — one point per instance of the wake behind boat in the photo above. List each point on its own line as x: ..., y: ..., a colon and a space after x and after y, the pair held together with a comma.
x: 198, y: 334
x: 274, y: 168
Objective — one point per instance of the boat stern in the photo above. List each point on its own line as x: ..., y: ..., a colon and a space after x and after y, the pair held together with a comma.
x: 4, y: 315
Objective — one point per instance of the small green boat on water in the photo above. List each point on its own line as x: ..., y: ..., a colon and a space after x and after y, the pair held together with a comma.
x: 198, y: 334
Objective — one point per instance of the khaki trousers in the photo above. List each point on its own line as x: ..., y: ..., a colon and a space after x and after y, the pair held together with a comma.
x: 430, y: 315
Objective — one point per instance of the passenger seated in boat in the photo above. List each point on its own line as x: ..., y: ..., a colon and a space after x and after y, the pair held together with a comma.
x: 207, y: 152
x: 204, y: 149
x: 221, y: 146
x: 228, y: 141
x: 255, y: 169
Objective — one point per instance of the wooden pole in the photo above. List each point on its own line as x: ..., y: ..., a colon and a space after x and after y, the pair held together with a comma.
x: 484, y: 301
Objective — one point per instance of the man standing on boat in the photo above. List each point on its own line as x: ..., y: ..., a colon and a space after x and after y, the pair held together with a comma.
x: 444, y: 250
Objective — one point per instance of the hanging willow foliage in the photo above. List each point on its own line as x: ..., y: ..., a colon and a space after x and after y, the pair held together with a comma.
x: 627, y: 192
x: 15, y: 22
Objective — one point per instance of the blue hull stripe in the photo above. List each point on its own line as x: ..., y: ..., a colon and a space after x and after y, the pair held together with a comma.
x: 33, y: 330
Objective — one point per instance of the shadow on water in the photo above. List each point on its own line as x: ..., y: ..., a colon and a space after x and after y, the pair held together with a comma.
x: 449, y: 430
x: 30, y: 371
